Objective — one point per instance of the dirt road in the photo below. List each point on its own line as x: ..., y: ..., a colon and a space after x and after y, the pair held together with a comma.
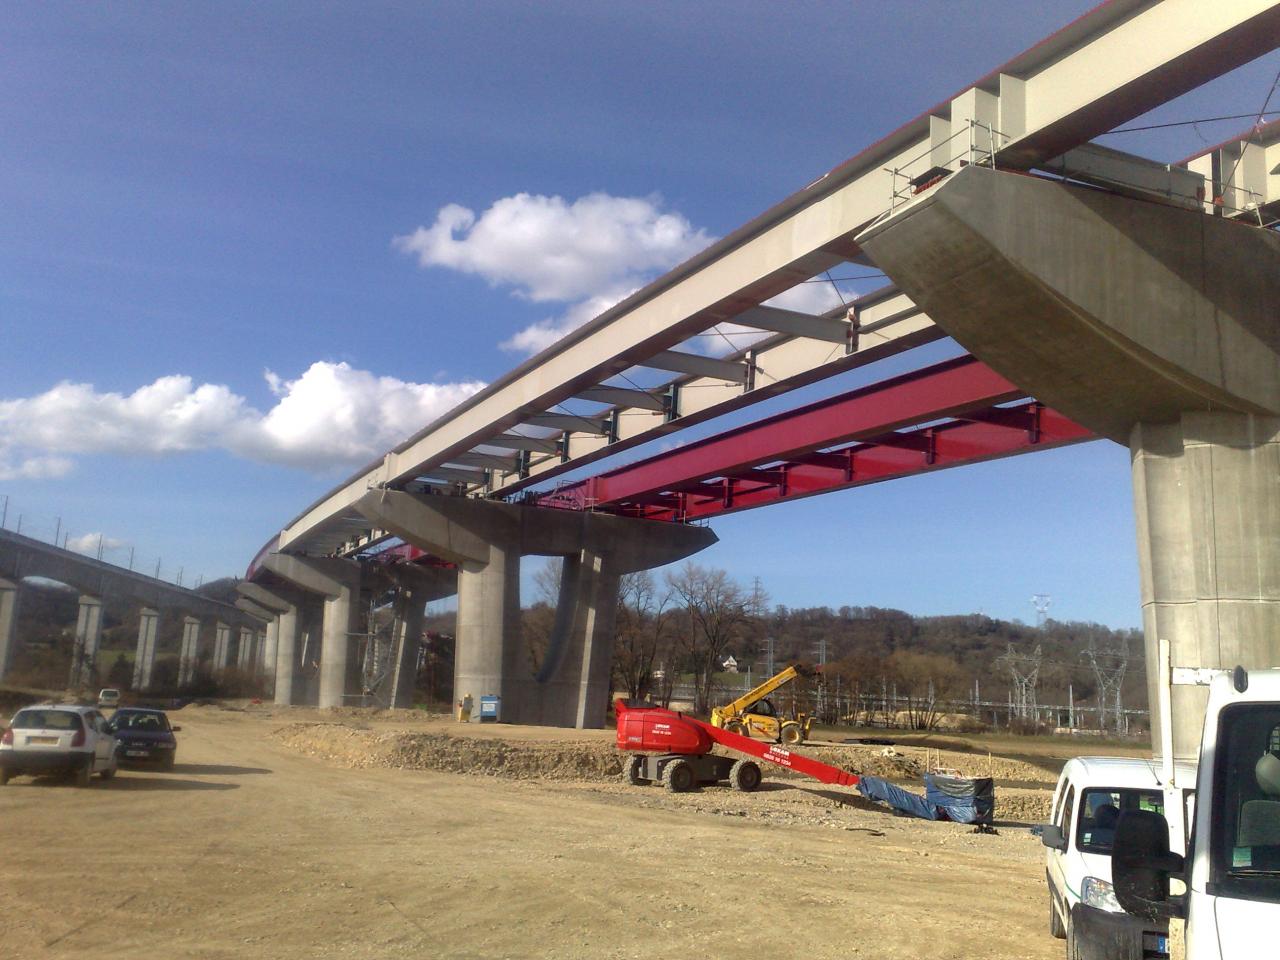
x: 253, y: 849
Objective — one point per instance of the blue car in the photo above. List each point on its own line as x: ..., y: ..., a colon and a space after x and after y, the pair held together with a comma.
x: 144, y: 736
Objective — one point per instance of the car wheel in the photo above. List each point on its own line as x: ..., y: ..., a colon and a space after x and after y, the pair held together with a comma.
x: 5, y: 776
x: 1056, y: 929
x: 82, y: 775
x: 169, y: 761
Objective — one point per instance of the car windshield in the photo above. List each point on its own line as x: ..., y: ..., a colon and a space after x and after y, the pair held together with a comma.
x: 1101, y: 808
x: 129, y: 720
x: 46, y: 720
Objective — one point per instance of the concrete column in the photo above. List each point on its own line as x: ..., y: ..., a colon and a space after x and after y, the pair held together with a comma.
x: 575, y: 674
x: 145, y: 658
x: 489, y: 656
x: 84, y: 655
x: 244, y: 652
x: 221, y: 646
x: 338, y: 582
x: 270, y: 643
x: 9, y: 595
x: 1207, y: 504
x: 409, y: 608
x: 188, y: 651
x: 286, y: 658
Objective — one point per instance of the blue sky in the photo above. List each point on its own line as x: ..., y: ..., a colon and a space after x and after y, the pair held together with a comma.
x: 208, y: 321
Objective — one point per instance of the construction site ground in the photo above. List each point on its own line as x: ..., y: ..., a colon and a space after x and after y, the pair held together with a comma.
x: 290, y: 833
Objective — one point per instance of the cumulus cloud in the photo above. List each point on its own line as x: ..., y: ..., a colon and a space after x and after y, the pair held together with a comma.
x: 588, y: 253
x: 332, y: 416
x: 550, y: 249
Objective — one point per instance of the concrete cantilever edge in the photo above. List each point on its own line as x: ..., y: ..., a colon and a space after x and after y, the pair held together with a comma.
x: 461, y: 529
x: 1113, y: 310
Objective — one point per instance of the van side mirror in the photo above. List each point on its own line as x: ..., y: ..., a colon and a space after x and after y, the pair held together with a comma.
x: 1051, y: 836
x: 1141, y: 866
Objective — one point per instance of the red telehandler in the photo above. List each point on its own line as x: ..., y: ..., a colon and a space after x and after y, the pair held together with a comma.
x: 676, y: 750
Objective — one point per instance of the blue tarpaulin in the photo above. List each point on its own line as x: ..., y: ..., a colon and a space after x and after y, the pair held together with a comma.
x: 896, y: 797
x: 960, y: 799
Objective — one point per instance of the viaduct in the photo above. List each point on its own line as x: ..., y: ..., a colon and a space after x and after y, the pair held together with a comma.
x: 1098, y: 294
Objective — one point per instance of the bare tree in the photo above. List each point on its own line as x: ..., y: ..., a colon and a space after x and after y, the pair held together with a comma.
x: 717, y: 612
x: 642, y: 634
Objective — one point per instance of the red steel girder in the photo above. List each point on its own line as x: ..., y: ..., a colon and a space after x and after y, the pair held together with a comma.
x: 951, y: 408
x: 954, y: 444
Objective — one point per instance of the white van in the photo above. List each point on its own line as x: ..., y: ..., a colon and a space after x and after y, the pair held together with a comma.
x: 1221, y: 899
x: 1091, y: 794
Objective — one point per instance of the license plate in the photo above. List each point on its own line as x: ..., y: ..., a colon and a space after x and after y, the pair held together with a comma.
x: 136, y: 753
x: 43, y: 741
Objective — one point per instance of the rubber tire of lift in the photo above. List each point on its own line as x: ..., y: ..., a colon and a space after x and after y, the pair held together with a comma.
x: 678, y: 776
x: 738, y: 727
x: 631, y: 770
x: 792, y: 734
x: 745, y: 775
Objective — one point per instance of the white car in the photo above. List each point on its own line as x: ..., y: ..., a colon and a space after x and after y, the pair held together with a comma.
x: 58, y: 738
x: 1091, y: 794
x: 108, y: 697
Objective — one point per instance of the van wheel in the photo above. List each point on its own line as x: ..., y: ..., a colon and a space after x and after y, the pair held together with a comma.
x: 1073, y: 948
x: 1055, y: 921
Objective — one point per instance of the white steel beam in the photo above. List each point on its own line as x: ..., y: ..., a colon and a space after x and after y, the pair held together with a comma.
x: 621, y: 397
x: 794, y: 323
x: 697, y: 365
x: 512, y: 441
x: 566, y: 421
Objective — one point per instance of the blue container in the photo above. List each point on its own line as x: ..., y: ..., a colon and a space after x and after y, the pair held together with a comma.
x: 490, y: 709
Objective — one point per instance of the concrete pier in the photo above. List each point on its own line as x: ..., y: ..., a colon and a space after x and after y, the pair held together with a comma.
x: 84, y: 653
x: 415, y: 588
x: 188, y: 653
x: 1154, y: 325
x: 144, y: 660
x: 486, y: 539
x: 221, y: 646
x: 244, y: 650
x: 282, y: 660
x: 338, y: 583
x: 9, y: 595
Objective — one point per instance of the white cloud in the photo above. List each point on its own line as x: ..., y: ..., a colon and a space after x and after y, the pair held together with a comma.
x: 550, y: 249
x: 808, y: 298
x: 89, y: 543
x: 331, y: 416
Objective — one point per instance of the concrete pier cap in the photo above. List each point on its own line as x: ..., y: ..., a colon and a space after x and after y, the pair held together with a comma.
x: 486, y: 539
x: 1154, y: 325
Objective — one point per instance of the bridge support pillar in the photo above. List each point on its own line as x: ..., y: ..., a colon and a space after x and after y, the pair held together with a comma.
x: 578, y: 686
x: 221, y: 646
x: 244, y: 650
x: 84, y: 654
x: 1151, y: 324
x: 486, y: 540
x: 338, y: 583
x: 1207, y: 504
x: 144, y: 659
x: 271, y: 643
x: 415, y: 587
x: 188, y: 653
x: 9, y: 595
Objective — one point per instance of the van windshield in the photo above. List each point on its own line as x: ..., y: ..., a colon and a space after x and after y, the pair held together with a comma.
x: 1101, y: 808
x: 1246, y: 833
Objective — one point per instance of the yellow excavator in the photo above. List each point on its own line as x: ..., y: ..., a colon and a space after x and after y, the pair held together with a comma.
x: 753, y: 715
